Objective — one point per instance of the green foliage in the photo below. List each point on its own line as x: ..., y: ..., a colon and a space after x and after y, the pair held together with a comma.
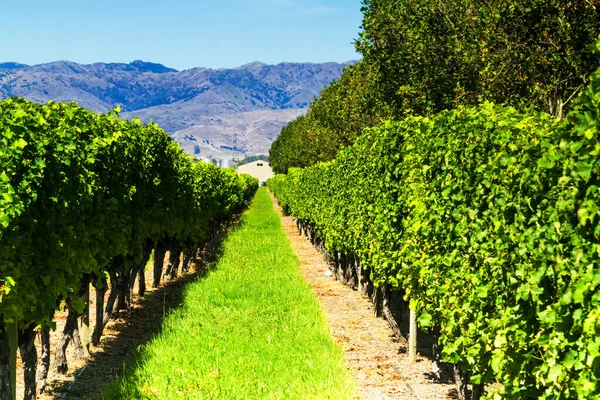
x: 432, y: 55
x: 249, y: 185
x: 425, y: 56
x: 488, y: 219
x: 333, y: 121
x: 293, y: 147
x: 79, y: 189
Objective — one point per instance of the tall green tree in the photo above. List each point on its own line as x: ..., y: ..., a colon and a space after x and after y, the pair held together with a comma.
x: 424, y: 56
x: 431, y: 55
x: 334, y: 120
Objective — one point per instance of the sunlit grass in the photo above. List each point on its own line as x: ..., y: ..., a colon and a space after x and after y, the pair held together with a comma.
x: 250, y: 329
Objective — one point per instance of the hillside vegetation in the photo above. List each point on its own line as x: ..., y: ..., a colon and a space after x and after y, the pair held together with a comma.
x: 142, y: 85
x: 201, y: 107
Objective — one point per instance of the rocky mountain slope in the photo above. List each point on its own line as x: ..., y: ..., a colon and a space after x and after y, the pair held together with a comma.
x: 208, y: 111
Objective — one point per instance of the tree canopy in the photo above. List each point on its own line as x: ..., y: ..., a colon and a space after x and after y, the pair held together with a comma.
x: 424, y: 56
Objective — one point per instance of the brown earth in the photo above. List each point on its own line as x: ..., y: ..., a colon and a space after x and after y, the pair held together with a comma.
x: 373, y: 355
x: 123, y: 337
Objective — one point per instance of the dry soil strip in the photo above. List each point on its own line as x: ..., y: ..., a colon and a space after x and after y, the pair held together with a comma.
x: 122, y: 337
x: 370, y: 350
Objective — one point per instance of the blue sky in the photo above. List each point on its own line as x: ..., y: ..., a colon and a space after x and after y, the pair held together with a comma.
x: 181, y: 34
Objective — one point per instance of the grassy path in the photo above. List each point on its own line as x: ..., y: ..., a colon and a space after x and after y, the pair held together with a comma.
x: 250, y: 329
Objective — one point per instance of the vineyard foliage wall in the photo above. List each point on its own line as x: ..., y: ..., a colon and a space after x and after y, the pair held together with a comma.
x: 488, y: 219
x: 78, y: 189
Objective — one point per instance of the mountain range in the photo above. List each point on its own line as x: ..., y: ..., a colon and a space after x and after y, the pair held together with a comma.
x: 211, y: 112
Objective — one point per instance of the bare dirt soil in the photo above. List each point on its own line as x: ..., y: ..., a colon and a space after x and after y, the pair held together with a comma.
x: 122, y: 337
x: 376, y: 358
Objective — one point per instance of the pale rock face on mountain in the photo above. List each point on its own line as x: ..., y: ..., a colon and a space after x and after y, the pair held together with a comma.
x: 210, y: 112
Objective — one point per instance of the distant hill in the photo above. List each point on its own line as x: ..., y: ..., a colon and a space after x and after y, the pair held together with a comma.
x: 11, y: 66
x: 202, y: 107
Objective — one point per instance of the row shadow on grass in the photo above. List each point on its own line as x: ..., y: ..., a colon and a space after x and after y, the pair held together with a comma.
x: 137, y: 327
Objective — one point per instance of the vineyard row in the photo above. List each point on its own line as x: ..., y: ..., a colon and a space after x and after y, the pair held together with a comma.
x: 84, y: 199
x: 486, y: 220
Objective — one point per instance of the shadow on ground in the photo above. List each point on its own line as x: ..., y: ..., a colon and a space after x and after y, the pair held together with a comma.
x: 127, y: 335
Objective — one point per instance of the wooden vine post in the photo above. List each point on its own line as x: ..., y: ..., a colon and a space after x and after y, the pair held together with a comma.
x: 412, y: 336
x: 13, y: 343
x: 84, y: 322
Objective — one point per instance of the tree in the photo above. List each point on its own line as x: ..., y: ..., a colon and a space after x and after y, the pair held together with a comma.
x: 425, y: 56
x: 334, y: 120
x: 430, y: 55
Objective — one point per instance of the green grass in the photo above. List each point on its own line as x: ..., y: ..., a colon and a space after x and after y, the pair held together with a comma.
x: 250, y: 329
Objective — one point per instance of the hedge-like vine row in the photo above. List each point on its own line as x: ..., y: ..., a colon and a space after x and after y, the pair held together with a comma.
x: 488, y: 219
x: 84, y: 196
